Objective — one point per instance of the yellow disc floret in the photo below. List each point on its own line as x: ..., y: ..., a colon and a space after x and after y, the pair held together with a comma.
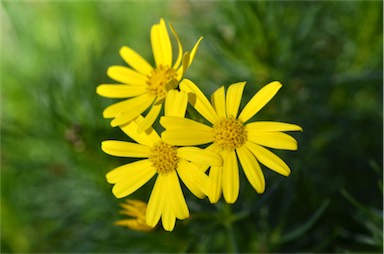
x: 164, y: 158
x: 229, y: 133
x: 158, y: 78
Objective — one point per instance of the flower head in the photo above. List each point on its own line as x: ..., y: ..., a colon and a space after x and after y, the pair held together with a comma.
x: 232, y: 137
x: 136, y: 210
x: 166, y: 161
x: 142, y: 85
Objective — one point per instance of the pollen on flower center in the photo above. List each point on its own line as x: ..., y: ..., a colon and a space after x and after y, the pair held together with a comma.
x: 158, y: 78
x: 229, y: 133
x: 164, y: 158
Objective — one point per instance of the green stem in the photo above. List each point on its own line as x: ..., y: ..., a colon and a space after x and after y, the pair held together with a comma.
x: 228, y: 223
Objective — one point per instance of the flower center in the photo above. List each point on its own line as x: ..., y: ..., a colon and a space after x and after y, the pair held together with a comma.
x: 158, y: 78
x: 229, y: 133
x: 164, y: 158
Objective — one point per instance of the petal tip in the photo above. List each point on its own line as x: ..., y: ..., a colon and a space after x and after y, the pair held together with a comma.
x: 231, y: 201
x: 276, y: 83
x: 286, y: 173
x: 106, y: 114
x: 213, y: 200
x: 98, y: 90
x: 261, y: 191
x: 117, y: 194
x: 113, y: 123
x: 108, y: 178
x: 123, y: 49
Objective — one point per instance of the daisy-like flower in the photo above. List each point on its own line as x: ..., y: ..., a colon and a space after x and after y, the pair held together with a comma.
x: 142, y: 85
x: 135, y: 209
x: 232, y: 137
x: 159, y: 158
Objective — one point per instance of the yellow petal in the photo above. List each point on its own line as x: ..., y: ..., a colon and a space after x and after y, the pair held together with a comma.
x: 134, y: 203
x: 177, y: 62
x: 230, y: 177
x: 147, y: 138
x: 198, y: 100
x: 166, y: 45
x: 234, y: 95
x: 120, y: 91
x: 213, y: 148
x: 125, y: 171
x: 168, y: 104
x: 200, y: 156
x: 259, y: 100
x: 215, y: 184
x: 139, y: 103
x: 218, y: 102
x: 134, y: 224
x: 269, y: 159
x: 126, y: 76
x: 156, y: 202
x: 195, y: 180
x: 161, y: 44
x: 150, y: 132
x: 132, y: 209
x: 125, y: 149
x: 185, y: 138
x: 168, y: 219
x: 131, y: 114
x: 273, y: 139
x: 175, y: 103
x: 194, y: 50
x: 182, y: 131
x: 135, y: 60
x: 180, y: 123
x: 127, y: 185
x: 251, y: 169
x: 150, y: 118
x: 183, y: 68
x: 272, y: 126
x: 175, y: 194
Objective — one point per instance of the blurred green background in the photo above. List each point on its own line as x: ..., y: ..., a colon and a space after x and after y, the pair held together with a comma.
x: 328, y: 56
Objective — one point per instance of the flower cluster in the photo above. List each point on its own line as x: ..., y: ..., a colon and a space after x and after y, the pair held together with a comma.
x: 203, y: 157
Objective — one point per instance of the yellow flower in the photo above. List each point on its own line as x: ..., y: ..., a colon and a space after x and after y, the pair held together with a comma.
x: 145, y: 86
x: 231, y: 137
x: 136, y: 210
x: 169, y: 163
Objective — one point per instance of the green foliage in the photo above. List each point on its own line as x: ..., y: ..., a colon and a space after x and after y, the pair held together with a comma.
x: 327, y: 55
